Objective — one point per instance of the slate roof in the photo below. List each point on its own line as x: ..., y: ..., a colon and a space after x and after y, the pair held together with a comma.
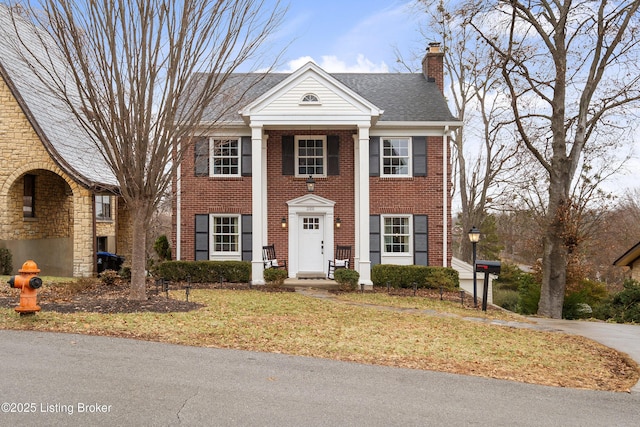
x: 402, y: 96
x: 62, y: 135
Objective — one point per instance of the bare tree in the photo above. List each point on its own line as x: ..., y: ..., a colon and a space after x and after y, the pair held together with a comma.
x: 130, y: 70
x: 571, y: 71
x: 484, y: 150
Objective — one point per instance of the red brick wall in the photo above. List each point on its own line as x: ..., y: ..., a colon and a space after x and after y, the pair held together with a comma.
x: 338, y: 188
x: 417, y: 195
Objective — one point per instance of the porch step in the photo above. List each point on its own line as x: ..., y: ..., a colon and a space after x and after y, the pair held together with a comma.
x: 311, y: 283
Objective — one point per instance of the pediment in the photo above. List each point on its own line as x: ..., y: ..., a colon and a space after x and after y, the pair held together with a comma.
x: 311, y: 201
x: 290, y: 98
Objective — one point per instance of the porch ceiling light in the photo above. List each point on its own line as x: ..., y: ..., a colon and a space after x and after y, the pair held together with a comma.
x: 311, y: 184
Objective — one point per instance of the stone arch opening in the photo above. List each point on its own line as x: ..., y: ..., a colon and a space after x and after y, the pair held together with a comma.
x: 39, y: 221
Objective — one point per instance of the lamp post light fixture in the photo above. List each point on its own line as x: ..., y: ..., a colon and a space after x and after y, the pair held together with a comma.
x: 474, y: 238
x: 311, y: 184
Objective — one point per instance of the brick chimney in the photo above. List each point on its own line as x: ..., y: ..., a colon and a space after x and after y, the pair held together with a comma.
x: 432, y: 65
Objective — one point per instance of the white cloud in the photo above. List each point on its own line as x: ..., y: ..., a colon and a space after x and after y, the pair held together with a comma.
x: 333, y: 64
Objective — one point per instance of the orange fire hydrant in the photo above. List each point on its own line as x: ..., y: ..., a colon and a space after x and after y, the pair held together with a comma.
x: 28, y: 282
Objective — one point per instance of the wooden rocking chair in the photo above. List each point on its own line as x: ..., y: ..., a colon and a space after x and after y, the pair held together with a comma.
x: 270, y: 259
x: 341, y: 259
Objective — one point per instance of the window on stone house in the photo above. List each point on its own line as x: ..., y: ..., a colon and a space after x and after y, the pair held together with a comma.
x: 28, y: 196
x: 102, y: 243
x: 103, y: 207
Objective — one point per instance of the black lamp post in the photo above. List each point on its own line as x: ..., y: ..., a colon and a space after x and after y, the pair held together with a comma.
x: 474, y: 238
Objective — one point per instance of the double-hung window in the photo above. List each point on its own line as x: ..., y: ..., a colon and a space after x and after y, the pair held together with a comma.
x: 226, y: 234
x: 396, y: 157
x: 396, y: 232
x: 311, y: 156
x: 225, y: 157
x: 103, y: 207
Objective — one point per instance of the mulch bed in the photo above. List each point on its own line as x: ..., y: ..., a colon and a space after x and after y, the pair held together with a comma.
x: 90, y: 295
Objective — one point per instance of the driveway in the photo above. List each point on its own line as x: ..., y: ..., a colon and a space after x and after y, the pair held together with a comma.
x: 63, y: 379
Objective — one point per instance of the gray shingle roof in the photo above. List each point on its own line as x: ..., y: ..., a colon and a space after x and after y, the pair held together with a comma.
x: 402, y: 96
x: 62, y: 135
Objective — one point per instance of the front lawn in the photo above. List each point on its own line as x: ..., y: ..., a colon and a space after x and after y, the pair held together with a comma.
x: 295, y: 324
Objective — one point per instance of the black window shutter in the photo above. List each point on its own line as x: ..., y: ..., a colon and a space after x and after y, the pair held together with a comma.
x: 202, y: 237
x: 333, y: 155
x: 201, y: 161
x: 420, y: 240
x: 247, y: 240
x: 245, y: 146
x: 288, y: 155
x: 419, y: 150
x: 374, y: 239
x: 374, y: 156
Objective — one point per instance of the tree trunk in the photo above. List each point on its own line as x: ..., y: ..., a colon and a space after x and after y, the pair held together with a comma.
x: 554, y: 259
x: 138, y: 289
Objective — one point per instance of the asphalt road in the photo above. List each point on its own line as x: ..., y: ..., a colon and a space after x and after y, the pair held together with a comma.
x: 67, y: 380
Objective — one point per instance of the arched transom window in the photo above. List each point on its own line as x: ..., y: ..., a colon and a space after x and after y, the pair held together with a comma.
x: 310, y: 98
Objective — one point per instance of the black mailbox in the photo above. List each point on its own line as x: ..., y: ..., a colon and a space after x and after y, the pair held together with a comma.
x: 491, y: 267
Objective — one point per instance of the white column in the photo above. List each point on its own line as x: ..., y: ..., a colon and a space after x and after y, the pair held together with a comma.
x: 364, y: 264
x: 445, y: 194
x: 356, y: 199
x: 257, y: 201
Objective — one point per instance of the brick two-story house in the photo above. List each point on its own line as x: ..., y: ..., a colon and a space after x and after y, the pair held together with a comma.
x: 57, y: 195
x: 375, y: 145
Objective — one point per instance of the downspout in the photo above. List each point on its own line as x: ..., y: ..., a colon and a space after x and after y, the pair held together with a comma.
x: 93, y: 232
x: 445, y: 194
x: 178, y: 211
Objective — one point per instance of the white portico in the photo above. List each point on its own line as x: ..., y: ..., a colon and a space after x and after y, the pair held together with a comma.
x: 310, y: 99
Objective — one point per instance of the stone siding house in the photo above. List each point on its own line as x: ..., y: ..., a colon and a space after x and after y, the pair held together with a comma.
x: 57, y: 195
x: 375, y: 146
x: 631, y: 259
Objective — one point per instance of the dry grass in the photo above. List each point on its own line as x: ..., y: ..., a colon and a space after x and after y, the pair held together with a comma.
x: 295, y: 324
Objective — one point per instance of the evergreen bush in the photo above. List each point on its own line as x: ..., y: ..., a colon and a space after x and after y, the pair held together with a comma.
x: 275, y: 277
x: 204, y: 271
x: 404, y: 276
x: 347, y: 279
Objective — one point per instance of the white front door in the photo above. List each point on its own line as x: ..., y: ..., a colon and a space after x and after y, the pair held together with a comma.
x: 311, y: 246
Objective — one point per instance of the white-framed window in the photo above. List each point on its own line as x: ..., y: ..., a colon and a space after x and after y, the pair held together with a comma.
x: 396, y: 235
x: 311, y: 156
x: 225, y: 235
x: 103, y: 207
x: 225, y: 157
x: 396, y: 157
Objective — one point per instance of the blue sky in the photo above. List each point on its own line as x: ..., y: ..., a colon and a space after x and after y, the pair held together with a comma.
x: 350, y: 35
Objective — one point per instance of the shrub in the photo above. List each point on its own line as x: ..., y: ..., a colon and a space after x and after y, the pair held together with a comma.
x: 125, y: 273
x: 275, y: 277
x: 581, y: 298
x: 204, y: 271
x: 6, y: 261
x: 624, y: 306
x: 162, y: 248
x: 109, y: 277
x: 528, y: 294
x: 403, y: 276
x: 347, y: 279
x: 509, y: 278
x: 505, y: 298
